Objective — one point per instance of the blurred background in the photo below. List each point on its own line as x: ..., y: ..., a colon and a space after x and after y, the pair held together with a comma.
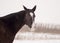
x: 47, y: 20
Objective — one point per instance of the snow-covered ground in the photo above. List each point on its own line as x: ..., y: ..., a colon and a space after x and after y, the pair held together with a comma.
x: 45, y: 36
x: 36, y: 41
x: 36, y: 36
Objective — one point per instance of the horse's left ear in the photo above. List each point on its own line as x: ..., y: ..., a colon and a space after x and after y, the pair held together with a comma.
x: 34, y: 8
x: 24, y: 7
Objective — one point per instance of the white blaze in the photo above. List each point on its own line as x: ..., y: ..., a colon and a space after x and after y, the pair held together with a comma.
x: 31, y: 14
x: 32, y: 29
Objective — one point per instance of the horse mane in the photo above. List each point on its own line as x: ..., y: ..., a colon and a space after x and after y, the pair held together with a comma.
x: 13, y: 14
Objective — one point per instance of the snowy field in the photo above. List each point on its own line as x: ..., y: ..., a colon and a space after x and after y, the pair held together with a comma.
x: 36, y: 36
x: 36, y: 41
x: 39, y: 35
x: 31, y: 37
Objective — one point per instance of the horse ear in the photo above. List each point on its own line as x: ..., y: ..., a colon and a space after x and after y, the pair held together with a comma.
x: 34, y: 8
x: 24, y: 7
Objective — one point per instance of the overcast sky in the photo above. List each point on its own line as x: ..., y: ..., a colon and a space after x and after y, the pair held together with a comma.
x: 47, y: 11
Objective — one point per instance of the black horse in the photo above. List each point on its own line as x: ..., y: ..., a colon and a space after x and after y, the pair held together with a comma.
x: 10, y: 24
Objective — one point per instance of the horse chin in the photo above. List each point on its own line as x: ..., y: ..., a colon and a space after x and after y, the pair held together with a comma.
x: 29, y: 26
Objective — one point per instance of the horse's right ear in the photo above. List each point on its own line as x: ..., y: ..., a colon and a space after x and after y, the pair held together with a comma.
x: 24, y: 7
x: 34, y: 8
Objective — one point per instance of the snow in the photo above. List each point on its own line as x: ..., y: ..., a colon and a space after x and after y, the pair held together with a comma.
x: 36, y: 41
x: 36, y: 36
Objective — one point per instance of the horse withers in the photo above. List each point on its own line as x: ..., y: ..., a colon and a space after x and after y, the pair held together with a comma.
x: 12, y: 23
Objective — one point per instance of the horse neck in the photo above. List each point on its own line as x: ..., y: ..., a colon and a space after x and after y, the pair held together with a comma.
x: 14, y: 22
x: 20, y: 22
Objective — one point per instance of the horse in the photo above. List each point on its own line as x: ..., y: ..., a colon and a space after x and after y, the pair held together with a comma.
x: 13, y: 22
